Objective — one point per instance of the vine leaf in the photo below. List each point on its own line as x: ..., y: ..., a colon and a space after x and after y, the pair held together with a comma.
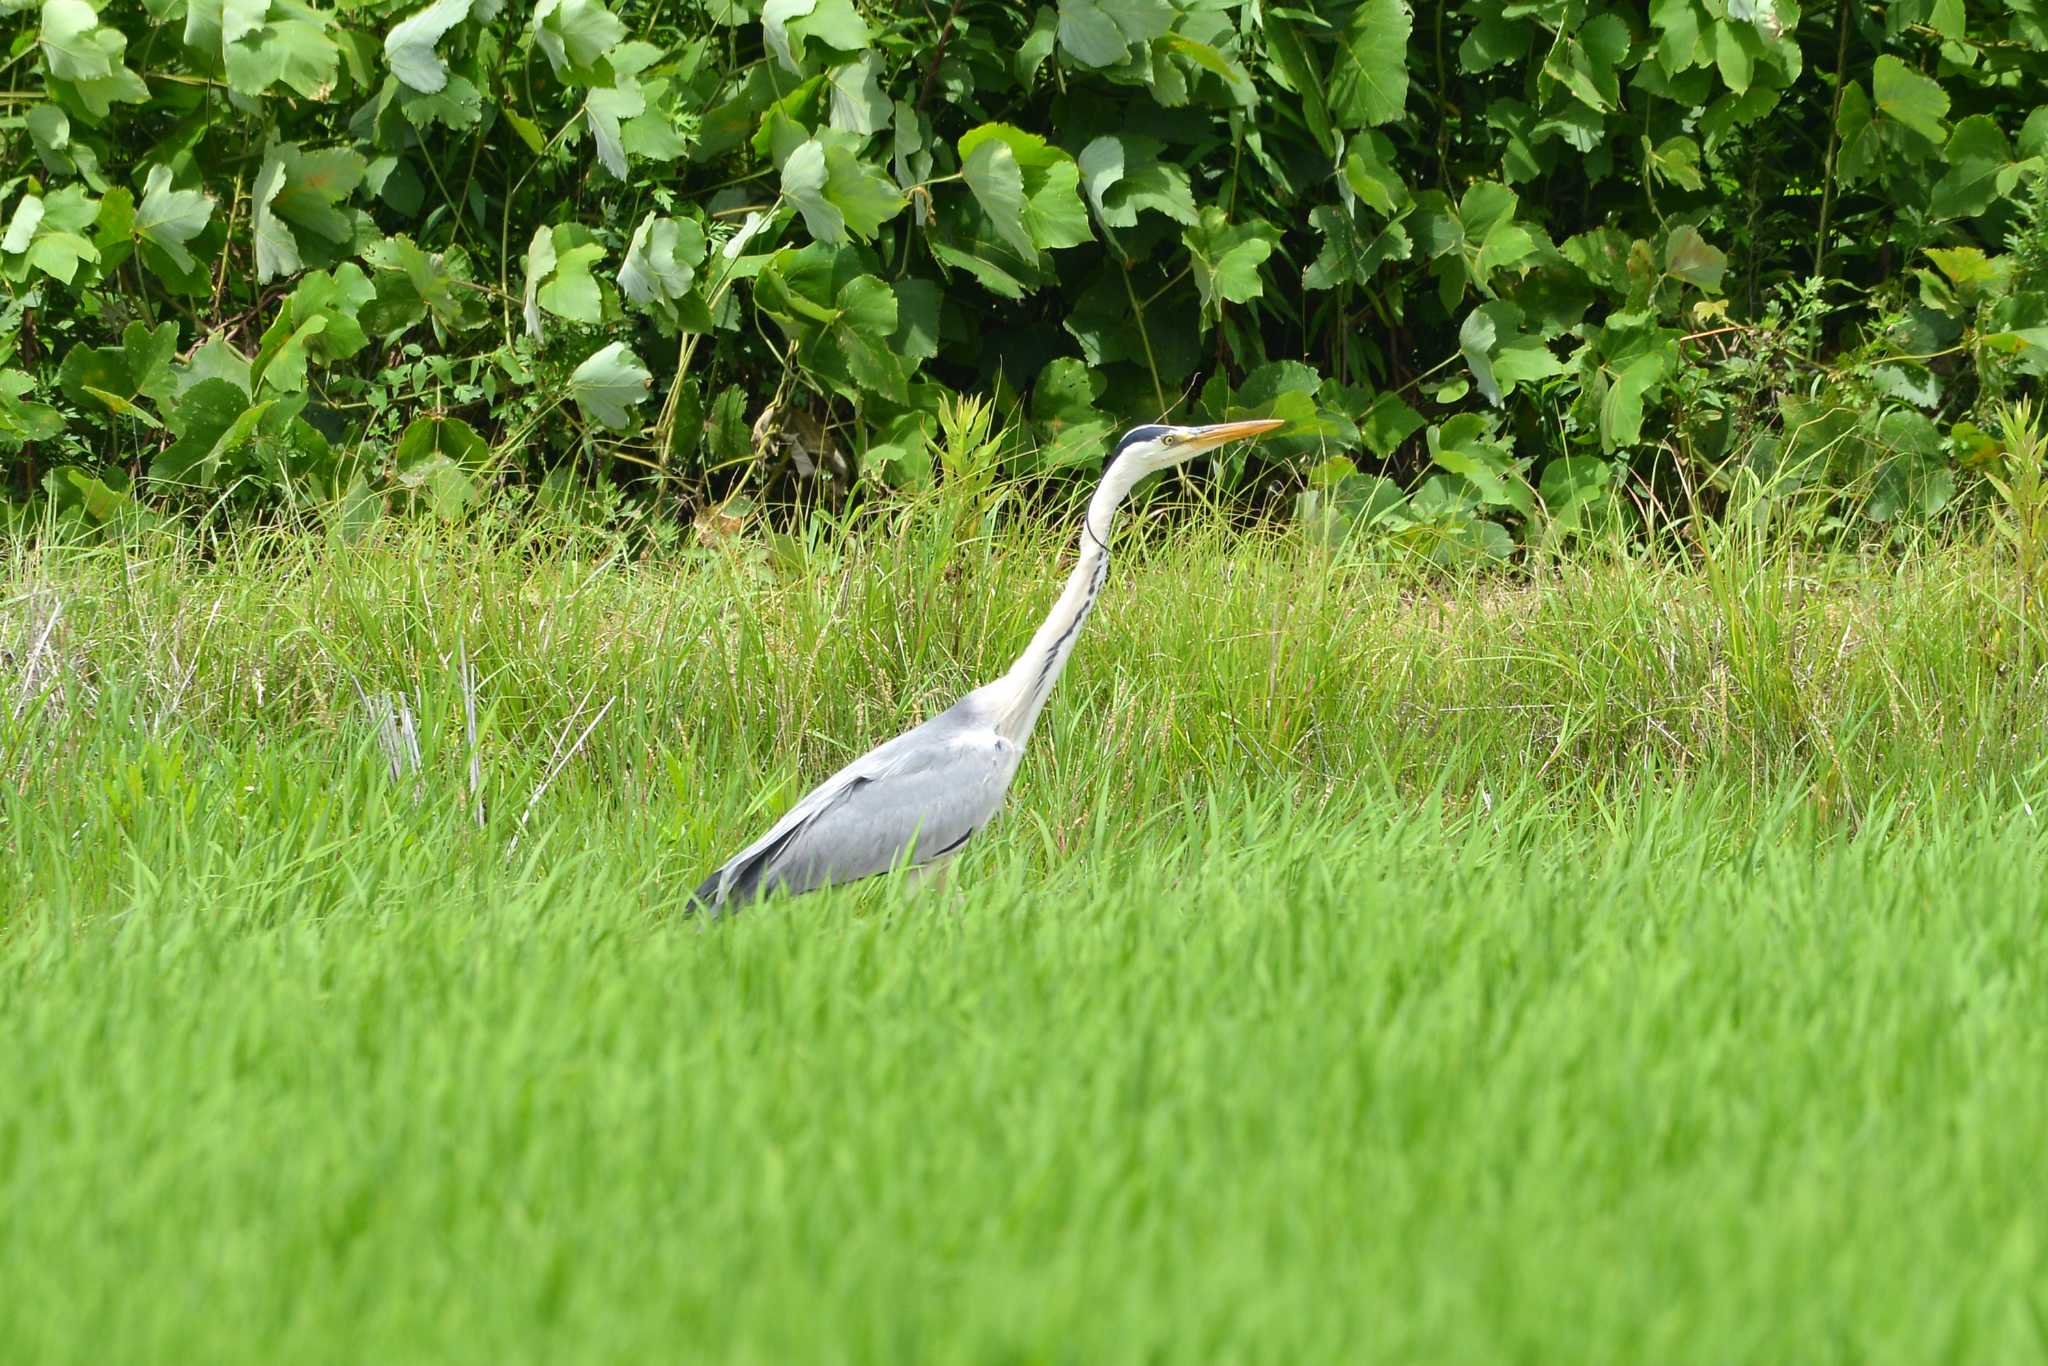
x: 1071, y: 429
x: 836, y: 193
x: 1909, y: 99
x: 88, y: 56
x: 1051, y: 214
x: 319, y: 320
x: 575, y: 34
x: 558, y: 278
x: 1226, y: 258
x: 661, y: 262
x: 139, y: 367
x: 167, y: 219
x: 409, y: 47
x: 1100, y: 33
x: 1125, y: 175
x: 277, y: 251
x: 609, y: 384
x: 1370, y: 83
x: 787, y: 24
x: 997, y: 183
x: 1691, y: 258
x: 212, y: 421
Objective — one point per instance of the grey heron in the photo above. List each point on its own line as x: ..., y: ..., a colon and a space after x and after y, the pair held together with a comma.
x: 918, y: 798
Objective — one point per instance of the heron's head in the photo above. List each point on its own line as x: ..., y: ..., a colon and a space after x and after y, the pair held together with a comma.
x: 1152, y: 448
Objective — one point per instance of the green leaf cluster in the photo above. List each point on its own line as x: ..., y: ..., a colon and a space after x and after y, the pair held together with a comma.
x: 1513, y: 266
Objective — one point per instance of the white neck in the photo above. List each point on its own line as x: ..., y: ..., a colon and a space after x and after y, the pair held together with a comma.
x: 1023, y: 690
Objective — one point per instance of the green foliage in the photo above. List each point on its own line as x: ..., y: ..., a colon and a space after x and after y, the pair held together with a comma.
x: 1493, y: 255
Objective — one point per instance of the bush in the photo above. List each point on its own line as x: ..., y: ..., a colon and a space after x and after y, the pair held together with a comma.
x: 1500, y: 263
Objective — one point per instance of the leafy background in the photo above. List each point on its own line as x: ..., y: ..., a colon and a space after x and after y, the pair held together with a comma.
x: 1512, y: 270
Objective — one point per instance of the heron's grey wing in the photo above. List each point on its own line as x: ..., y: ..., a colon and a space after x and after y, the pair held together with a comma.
x: 926, y: 791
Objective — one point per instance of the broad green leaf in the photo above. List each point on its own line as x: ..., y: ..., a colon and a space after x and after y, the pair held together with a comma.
x: 571, y: 291
x: 1036, y: 47
x: 1676, y: 162
x: 901, y: 456
x: 213, y: 421
x: 412, y: 284
x: 1370, y: 83
x: 858, y: 104
x: 997, y: 182
x: 917, y: 319
x: 22, y: 420
x: 277, y: 251
x: 1913, y: 384
x: 993, y: 277
x: 439, y: 458
x: 1125, y: 175
x: 865, y: 197
x: 1466, y: 446
x: 1227, y: 257
x: 21, y: 229
x: 841, y: 319
x: 259, y: 43
x: 2033, y: 137
x: 1296, y: 72
x: 540, y: 264
x: 1053, y: 213
x: 661, y: 260
x: 1477, y: 336
x: 609, y: 385
x: 320, y: 320
x: 1100, y: 32
x: 49, y: 128
x: 409, y: 47
x: 1732, y: 55
x: 74, y: 44
x: 1500, y: 354
x: 861, y: 333
x: 605, y: 109
x: 316, y: 185
x: 1102, y: 166
x: 1388, y: 423
x: 1968, y: 268
x: 167, y: 219
x: 1348, y: 255
x: 214, y: 358
x: 803, y: 184
x: 1070, y: 429
x: 786, y: 25
x: 88, y: 56
x: 1369, y: 174
x: 1524, y: 359
x: 1977, y: 155
x: 1621, y: 412
x: 1677, y: 26
x: 139, y: 367
x: 1689, y: 257
x: 45, y: 232
x: 113, y: 229
x: 1909, y: 99
x: 457, y: 105
x: 1494, y: 40
x: 575, y: 34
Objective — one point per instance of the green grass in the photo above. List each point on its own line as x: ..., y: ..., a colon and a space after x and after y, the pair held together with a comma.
x: 1639, y: 961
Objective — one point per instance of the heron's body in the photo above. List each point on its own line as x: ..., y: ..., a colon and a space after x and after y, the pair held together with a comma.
x: 916, y: 799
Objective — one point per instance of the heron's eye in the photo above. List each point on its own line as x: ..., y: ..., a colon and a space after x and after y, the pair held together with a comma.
x: 1169, y: 439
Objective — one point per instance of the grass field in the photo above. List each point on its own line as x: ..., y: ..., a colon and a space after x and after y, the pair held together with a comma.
x: 1632, y: 961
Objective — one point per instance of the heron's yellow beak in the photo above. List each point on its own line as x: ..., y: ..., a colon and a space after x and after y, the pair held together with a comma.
x: 1202, y: 438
